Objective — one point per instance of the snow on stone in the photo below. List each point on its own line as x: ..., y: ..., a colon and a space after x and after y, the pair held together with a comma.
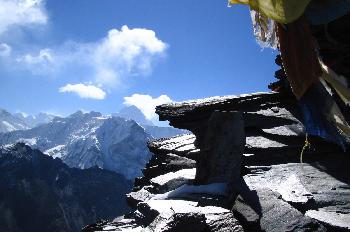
x: 187, y: 147
x: 215, y: 99
x: 56, y: 152
x: 169, y: 207
x: 109, y: 228
x: 187, y: 174
x: 30, y: 142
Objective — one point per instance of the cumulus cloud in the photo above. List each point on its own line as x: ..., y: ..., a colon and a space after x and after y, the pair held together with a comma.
x: 124, y: 52
x: 84, y: 91
x: 147, y: 104
x: 5, y: 50
x: 21, y: 13
x: 121, y: 54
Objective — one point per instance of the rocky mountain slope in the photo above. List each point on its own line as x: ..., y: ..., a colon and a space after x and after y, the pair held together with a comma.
x: 9, y: 122
x: 39, y: 193
x: 19, y: 121
x: 239, y: 171
x: 35, y: 120
x: 133, y: 113
x: 84, y: 140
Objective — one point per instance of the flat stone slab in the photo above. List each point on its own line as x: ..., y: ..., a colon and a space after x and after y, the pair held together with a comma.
x: 160, y: 165
x: 260, y: 142
x: 173, y: 180
x: 336, y: 220
x: 299, y: 183
x: 179, y: 109
x: 216, y: 218
x: 178, y: 145
x: 271, y: 213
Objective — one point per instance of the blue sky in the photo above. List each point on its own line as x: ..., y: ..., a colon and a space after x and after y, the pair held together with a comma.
x: 62, y: 56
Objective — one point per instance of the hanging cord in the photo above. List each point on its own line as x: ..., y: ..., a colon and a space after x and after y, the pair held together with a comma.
x: 307, y: 144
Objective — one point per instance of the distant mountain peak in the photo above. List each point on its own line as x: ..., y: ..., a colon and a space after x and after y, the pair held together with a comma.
x: 134, y: 113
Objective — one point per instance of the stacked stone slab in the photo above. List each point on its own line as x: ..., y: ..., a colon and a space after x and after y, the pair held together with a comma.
x: 272, y: 189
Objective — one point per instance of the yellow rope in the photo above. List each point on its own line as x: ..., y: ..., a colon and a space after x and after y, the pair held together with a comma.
x: 307, y: 144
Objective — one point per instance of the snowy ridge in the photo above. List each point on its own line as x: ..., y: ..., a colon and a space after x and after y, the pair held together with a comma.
x: 20, y: 121
x: 9, y: 122
x: 85, y: 140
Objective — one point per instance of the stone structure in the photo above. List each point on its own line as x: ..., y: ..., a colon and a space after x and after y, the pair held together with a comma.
x: 276, y: 191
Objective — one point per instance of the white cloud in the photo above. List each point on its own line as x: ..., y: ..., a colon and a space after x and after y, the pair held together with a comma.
x: 44, y: 56
x: 124, y: 52
x: 5, y: 50
x: 21, y: 13
x: 147, y: 104
x: 121, y: 54
x: 44, y: 63
x: 84, y: 91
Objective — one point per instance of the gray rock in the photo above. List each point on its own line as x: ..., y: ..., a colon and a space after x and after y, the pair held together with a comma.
x: 222, y: 151
x: 179, y: 145
x: 169, y: 211
x: 135, y: 197
x: 190, y: 222
x: 163, y: 164
x: 272, y: 214
x: 337, y: 221
x: 173, y: 180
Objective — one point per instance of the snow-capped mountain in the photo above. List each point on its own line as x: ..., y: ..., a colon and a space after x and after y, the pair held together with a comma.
x: 20, y: 121
x: 9, y: 122
x: 134, y: 113
x: 84, y: 140
x: 35, y: 120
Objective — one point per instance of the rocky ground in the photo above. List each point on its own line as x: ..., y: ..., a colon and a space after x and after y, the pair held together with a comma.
x: 240, y: 170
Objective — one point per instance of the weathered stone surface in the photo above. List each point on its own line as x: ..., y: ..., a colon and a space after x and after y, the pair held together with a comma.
x: 276, y: 192
x: 179, y: 145
x: 184, y: 222
x: 335, y: 220
x: 172, y: 180
x: 163, y: 164
x: 135, y: 197
x: 304, y: 186
x: 272, y: 214
x: 118, y: 224
x: 222, y: 149
x: 216, y: 218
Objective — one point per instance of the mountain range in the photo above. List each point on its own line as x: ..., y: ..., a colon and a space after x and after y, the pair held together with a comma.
x: 85, y: 140
x: 19, y: 121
